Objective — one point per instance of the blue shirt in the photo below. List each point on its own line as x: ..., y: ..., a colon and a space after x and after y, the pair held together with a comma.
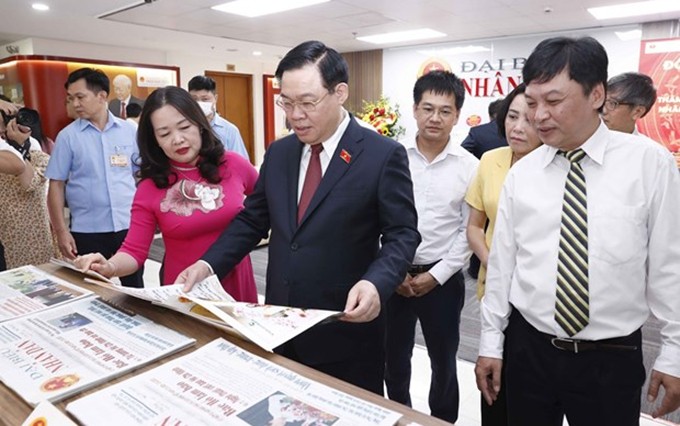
x: 229, y: 135
x: 98, y: 167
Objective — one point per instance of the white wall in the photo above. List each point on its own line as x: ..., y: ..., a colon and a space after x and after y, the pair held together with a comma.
x: 401, y: 65
x: 189, y: 65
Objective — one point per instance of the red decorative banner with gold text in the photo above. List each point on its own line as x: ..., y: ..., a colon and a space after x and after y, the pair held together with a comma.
x: 660, y: 59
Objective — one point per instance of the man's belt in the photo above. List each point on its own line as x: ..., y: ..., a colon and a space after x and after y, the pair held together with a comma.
x: 419, y: 269
x: 628, y: 343
x: 575, y: 345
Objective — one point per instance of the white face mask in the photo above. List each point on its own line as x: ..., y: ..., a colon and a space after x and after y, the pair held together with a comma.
x: 206, y: 107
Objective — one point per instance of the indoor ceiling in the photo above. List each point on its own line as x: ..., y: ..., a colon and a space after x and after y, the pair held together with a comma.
x: 190, y: 25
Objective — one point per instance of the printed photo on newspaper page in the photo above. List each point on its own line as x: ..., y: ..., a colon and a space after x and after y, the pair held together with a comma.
x: 221, y: 383
x: 55, y: 353
x: 28, y: 289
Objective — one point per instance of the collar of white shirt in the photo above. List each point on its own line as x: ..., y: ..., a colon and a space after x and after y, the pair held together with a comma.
x: 595, y: 147
x: 451, y: 149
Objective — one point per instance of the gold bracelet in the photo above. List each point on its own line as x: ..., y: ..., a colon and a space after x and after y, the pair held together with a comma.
x: 113, y: 265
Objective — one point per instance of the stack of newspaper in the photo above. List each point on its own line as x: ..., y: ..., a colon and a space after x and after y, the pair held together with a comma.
x: 57, y: 340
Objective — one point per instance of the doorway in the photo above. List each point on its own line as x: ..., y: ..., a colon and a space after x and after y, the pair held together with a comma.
x: 235, y: 103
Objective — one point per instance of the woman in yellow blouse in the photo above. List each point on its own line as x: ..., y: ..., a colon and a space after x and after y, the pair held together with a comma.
x: 485, y: 190
x: 483, y: 195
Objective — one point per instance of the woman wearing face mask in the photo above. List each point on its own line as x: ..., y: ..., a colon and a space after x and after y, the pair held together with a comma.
x: 191, y: 188
x: 483, y: 195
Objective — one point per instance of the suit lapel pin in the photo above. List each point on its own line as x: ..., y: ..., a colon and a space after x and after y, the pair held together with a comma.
x: 346, y: 156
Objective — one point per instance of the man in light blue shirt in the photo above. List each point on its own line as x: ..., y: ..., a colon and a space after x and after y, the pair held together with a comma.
x: 202, y: 89
x: 92, y: 169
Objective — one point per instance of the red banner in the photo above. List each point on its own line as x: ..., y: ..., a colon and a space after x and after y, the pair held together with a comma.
x: 660, y: 59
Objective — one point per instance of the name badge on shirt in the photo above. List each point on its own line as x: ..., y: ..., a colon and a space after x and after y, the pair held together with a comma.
x: 119, y: 160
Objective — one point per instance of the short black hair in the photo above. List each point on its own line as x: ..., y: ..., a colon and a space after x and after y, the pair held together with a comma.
x: 202, y: 82
x: 633, y: 88
x: 332, y: 66
x: 133, y: 110
x: 505, y: 107
x: 95, y: 79
x: 583, y: 58
x: 441, y: 83
x: 493, y: 108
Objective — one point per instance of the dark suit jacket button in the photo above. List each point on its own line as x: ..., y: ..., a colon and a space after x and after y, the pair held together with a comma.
x: 294, y: 246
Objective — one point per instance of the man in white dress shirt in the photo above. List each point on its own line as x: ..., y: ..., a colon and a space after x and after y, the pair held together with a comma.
x: 434, y: 288
x: 585, y: 365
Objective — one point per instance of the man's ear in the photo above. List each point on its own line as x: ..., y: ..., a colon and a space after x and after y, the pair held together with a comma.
x: 597, y: 96
x: 342, y: 92
x: 638, y: 112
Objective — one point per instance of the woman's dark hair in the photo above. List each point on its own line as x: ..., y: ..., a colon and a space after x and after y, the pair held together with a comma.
x: 505, y: 107
x: 153, y: 162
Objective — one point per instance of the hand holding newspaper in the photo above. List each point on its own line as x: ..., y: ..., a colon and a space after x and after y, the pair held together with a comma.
x: 267, y: 326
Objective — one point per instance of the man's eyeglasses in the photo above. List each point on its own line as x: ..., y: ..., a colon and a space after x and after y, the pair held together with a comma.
x: 612, y: 104
x: 306, y: 106
x: 428, y: 111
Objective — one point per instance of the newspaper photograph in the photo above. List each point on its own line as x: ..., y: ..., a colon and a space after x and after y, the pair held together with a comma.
x: 55, y: 353
x: 28, y: 289
x: 221, y: 383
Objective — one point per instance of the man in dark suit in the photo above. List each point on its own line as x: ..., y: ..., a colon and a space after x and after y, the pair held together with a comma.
x: 485, y: 137
x: 122, y: 89
x: 347, y: 246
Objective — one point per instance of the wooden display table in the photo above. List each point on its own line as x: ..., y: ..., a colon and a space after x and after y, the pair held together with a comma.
x: 15, y: 410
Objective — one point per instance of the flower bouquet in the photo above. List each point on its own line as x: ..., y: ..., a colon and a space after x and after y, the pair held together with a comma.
x: 383, y: 117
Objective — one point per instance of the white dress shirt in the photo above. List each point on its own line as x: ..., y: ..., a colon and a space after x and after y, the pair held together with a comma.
x: 439, y: 190
x: 633, y: 197
x: 325, y: 156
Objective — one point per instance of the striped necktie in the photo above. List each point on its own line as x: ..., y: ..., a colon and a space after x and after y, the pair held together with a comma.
x: 572, y: 301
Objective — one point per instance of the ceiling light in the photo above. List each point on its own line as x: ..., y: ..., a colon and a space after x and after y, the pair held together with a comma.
x: 629, y: 35
x: 450, y: 51
x: 253, y: 8
x: 399, y: 36
x: 635, y: 9
x: 257, y: 53
x: 40, y: 6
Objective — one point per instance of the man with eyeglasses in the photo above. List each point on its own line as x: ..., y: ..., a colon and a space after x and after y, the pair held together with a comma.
x: 338, y: 200
x: 433, y: 290
x: 630, y: 96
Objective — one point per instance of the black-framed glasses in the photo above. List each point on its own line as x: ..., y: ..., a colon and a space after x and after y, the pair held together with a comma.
x: 306, y: 106
x: 612, y: 104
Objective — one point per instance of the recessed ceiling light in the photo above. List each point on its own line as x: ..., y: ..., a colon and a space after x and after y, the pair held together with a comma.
x: 641, y: 8
x: 257, y: 53
x: 253, y: 8
x: 455, y: 50
x: 401, y: 36
x: 40, y: 6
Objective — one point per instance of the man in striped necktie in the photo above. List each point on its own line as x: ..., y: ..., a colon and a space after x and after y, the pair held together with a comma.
x: 586, y: 245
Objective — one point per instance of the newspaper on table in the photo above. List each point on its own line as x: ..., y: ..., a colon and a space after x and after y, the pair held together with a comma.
x: 55, y: 353
x: 268, y: 326
x: 28, y: 289
x: 46, y: 414
x: 222, y: 384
